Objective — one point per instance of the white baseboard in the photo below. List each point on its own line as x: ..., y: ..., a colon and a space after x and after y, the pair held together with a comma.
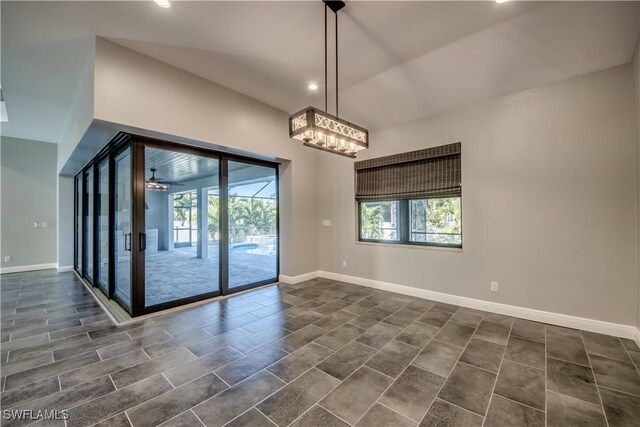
x: 65, y: 268
x: 292, y: 280
x: 32, y: 267
x: 607, y: 328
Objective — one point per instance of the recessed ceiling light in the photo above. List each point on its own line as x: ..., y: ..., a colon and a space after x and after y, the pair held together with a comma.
x: 165, y: 4
x: 313, y: 86
x: 501, y: 1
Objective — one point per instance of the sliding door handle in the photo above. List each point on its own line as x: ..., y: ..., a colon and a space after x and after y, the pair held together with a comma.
x: 142, y: 242
x: 127, y: 242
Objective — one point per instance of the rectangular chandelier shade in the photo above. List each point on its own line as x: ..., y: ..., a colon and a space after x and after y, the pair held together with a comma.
x: 321, y: 130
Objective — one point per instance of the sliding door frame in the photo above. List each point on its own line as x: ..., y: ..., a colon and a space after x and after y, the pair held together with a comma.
x: 140, y: 143
x: 88, y: 275
x: 138, y: 230
x: 252, y: 162
x: 137, y: 144
x: 223, y: 219
x: 113, y: 254
x: 81, y: 205
x: 223, y: 183
x: 112, y: 224
x: 77, y: 224
x: 95, y: 224
x: 97, y: 207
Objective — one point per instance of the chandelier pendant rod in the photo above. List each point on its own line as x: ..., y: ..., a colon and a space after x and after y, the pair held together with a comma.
x: 319, y: 129
x: 337, y: 115
x: 325, y: 58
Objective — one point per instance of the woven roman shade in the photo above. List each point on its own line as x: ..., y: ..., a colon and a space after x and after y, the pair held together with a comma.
x: 424, y: 173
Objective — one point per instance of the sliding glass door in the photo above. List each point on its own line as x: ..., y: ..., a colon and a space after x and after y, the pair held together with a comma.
x: 160, y: 224
x: 252, y: 225
x: 88, y: 223
x: 182, y: 253
x: 102, y: 209
x: 122, y: 233
x: 78, y: 221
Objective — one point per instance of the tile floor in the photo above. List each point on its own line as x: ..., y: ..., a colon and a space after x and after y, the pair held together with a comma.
x: 320, y: 353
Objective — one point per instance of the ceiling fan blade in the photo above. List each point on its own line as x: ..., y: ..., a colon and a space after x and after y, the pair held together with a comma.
x: 177, y: 184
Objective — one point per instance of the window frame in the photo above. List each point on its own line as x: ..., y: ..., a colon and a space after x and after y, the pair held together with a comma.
x: 404, y: 224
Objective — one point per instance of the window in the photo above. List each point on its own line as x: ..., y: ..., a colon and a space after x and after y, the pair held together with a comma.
x: 436, y: 221
x: 430, y: 222
x: 411, y: 198
x: 185, y: 219
x: 379, y: 221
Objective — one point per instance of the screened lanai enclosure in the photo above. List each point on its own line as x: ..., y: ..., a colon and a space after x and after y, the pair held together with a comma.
x: 160, y: 224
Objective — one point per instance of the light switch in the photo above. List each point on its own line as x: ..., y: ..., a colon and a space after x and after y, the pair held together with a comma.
x: 326, y: 223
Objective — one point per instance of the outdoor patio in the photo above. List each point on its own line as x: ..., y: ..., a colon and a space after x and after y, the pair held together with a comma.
x: 178, y: 274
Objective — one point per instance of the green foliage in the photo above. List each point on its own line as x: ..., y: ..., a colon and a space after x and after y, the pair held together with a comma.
x: 213, y: 217
x: 181, y: 200
x: 247, y: 216
x: 371, y: 220
x: 251, y: 217
x: 440, y: 215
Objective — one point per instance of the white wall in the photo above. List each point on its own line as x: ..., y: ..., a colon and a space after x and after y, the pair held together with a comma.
x: 65, y: 222
x: 29, y: 192
x: 135, y: 90
x: 157, y: 216
x: 80, y: 113
x: 549, y: 201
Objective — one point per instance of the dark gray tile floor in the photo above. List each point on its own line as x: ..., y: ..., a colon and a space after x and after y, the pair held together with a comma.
x: 319, y: 353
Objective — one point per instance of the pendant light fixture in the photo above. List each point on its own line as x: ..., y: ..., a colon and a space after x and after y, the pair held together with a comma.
x: 319, y: 129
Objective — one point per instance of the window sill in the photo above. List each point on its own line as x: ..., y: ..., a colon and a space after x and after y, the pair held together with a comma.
x: 404, y: 246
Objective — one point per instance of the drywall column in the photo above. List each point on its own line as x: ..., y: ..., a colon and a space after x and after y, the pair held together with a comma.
x: 203, y: 226
x: 65, y: 223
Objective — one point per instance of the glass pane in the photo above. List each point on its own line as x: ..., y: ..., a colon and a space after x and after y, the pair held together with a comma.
x: 103, y: 226
x: 122, y: 232
x: 436, y: 221
x: 185, y: 219
x: 379, y: 221
x: 182, y: 258
x: 89, y: 224
x: 78, y: 215
x: 253, y: 215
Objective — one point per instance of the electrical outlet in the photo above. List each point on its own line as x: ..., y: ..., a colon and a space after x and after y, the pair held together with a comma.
x: 7, y: 258
x: 326, y: 223
x: 494, y: 286
x: 344, y: 264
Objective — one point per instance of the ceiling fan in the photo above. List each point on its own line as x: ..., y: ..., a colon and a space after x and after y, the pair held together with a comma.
x: 154, y: 183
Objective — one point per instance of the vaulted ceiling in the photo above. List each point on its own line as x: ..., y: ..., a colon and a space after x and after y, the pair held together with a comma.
x: 398, y: 60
